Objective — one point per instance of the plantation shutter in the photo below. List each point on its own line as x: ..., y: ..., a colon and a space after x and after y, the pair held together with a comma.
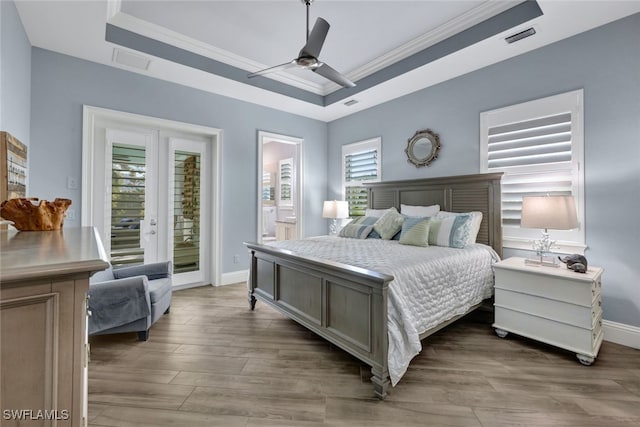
x: 538, y: 146
x: 517, y: 148
x: 361, y: 164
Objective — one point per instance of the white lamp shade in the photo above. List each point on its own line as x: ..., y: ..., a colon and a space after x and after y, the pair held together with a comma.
x: 335, y: 209
x: 554, y: 212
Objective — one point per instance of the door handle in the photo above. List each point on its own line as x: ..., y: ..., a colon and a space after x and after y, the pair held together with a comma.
x: 153, y: 222
x: 152, y: 232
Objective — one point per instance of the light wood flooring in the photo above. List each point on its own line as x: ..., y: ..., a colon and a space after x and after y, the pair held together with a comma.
x: 213, y: 362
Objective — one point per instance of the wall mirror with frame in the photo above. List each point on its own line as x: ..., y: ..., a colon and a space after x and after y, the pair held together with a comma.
x: 422, y: 148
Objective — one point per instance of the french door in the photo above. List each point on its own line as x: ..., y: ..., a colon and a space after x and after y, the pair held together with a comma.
x: 156, y: 200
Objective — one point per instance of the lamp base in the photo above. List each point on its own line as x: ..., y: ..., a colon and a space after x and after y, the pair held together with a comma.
x: 542, y: 261
x: 333, y: 227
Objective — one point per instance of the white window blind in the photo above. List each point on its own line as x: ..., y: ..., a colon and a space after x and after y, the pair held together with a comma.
x: 360, y: 164
x: 538, y: 145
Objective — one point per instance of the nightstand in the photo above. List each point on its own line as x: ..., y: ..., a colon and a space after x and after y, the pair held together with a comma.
x: 553, y: 305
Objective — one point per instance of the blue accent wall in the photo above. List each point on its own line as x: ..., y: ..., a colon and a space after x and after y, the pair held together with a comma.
x: 15, y: 74
x: 606, y: 63
x: 61, y: 85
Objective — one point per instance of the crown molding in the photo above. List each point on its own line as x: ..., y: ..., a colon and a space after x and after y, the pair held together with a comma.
x: 460, y: 23
x: 165, y: 35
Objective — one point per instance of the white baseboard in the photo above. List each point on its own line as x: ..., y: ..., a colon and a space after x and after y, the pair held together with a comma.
x: 620, y: 333
x: 234, y: 277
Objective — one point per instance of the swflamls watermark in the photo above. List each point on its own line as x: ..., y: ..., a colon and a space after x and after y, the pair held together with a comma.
x: 35, y: 414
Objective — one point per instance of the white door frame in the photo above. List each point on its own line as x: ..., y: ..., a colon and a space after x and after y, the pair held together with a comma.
x: 91, y: 115
x: 299, y: 205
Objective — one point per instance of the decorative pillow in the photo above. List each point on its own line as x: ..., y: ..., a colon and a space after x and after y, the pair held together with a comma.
x: 474, y: 228
x: 368, y: 220
x: 415, y: 231
x: 355, y: 231
x: 376, y: 213
x: 452, y: 231
x: 389, y: 224
x: 421, y: 211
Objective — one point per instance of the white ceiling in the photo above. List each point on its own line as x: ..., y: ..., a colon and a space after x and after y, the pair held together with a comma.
x: 365, y: 36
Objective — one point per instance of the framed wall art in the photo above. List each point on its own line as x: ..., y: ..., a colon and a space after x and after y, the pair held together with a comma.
x: 13, y: 167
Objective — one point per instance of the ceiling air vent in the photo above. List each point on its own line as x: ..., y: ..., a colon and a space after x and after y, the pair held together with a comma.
x: 521, y: 35
x: 130, y: 59
x: 350, y: 102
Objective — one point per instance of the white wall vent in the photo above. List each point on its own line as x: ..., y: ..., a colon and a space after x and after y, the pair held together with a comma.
x: 130, y: 59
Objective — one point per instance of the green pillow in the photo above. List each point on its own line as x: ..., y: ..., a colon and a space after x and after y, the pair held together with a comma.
x: 415, y: 231
x: 389, y: 224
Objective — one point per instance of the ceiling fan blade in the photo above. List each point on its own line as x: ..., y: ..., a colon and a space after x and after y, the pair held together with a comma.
x: 280, y: 67
x: 316, y: 39
x: 326, y: 71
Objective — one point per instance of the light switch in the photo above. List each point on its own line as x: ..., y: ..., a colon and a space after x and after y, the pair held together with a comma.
x: 72, y: 184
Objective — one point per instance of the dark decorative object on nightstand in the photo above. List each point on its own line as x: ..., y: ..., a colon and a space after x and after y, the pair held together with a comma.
x: 575, y: 262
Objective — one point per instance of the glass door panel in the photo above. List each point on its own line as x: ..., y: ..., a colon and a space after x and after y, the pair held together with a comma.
x: 186, y: 212
x: 128, y: 176
x: 188, y: 201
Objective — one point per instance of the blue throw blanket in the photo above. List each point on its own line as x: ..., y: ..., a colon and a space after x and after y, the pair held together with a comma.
x: 117, y: 302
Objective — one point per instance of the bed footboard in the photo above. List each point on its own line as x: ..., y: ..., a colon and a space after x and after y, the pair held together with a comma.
x: 346, y: 305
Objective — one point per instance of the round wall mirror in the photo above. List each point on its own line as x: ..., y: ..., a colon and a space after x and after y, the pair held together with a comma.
x: 423, y: 147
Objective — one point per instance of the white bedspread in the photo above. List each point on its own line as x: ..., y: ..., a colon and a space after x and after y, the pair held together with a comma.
x: 430, y: 286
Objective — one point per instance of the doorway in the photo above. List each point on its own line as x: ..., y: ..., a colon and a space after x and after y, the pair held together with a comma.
x: 150, y: 187
x: 280, y: 197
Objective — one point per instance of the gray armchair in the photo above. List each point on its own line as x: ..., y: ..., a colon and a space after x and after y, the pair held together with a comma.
x: 129, y: 299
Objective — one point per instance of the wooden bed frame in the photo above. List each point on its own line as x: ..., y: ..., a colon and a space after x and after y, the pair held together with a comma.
x: 321, y: 295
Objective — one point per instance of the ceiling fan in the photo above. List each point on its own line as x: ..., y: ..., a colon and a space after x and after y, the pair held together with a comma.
x: 308, y: 55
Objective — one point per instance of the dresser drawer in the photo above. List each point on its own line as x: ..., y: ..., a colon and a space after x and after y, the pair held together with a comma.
x: 579, y: 292
x: 580, y: 340
x: 573, y: 314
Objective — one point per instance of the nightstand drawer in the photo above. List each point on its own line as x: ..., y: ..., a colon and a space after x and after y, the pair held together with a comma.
x: 580, y: 340
x: 578, y: 292
x: 573, y: 314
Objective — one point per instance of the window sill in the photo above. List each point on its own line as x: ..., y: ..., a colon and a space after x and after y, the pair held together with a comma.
x: 558, y: 247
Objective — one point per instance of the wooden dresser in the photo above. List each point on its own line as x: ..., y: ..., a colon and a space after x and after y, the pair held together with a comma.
x: 553, y: 305
x: 44, y: 278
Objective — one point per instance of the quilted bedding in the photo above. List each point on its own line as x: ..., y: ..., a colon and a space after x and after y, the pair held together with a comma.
x: 431, y: 285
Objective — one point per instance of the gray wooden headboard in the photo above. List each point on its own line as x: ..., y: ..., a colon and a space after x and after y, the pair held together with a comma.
x: 463, y: 193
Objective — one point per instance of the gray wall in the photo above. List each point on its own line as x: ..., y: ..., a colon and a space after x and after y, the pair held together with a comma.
x: 606, y: 63
x: 62, y: 84
x: 15, y: 74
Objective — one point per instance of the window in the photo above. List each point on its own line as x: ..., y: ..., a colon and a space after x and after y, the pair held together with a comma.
x: 539, y: 147
x: 361, y: 163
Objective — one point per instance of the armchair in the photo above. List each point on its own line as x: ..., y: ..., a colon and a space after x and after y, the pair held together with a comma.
x: 129, y: 299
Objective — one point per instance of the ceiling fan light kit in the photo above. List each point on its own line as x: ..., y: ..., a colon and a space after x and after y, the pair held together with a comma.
x: 308, y: 56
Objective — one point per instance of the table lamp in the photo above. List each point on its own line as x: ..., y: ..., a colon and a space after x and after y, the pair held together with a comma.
x: 335, y: 209
x: 547, y: 212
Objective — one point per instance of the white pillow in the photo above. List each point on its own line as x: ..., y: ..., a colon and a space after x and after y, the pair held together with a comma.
x: 476, y: 220
x: 422, y: 211
x: 376, y: 213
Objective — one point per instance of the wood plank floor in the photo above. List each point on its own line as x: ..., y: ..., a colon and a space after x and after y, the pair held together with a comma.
x: 213, y: 362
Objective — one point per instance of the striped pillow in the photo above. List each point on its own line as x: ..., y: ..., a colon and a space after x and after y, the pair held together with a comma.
x: 415, y: 231
x: 451, y: 231
x: 472, y: 231
x: 355, y: 231
x: 368, y: 220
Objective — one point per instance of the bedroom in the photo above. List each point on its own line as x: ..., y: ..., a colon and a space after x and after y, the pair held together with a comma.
x: 604, y: 62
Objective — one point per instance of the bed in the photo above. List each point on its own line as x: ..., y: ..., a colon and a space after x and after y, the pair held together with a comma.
x: 317, y: 282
